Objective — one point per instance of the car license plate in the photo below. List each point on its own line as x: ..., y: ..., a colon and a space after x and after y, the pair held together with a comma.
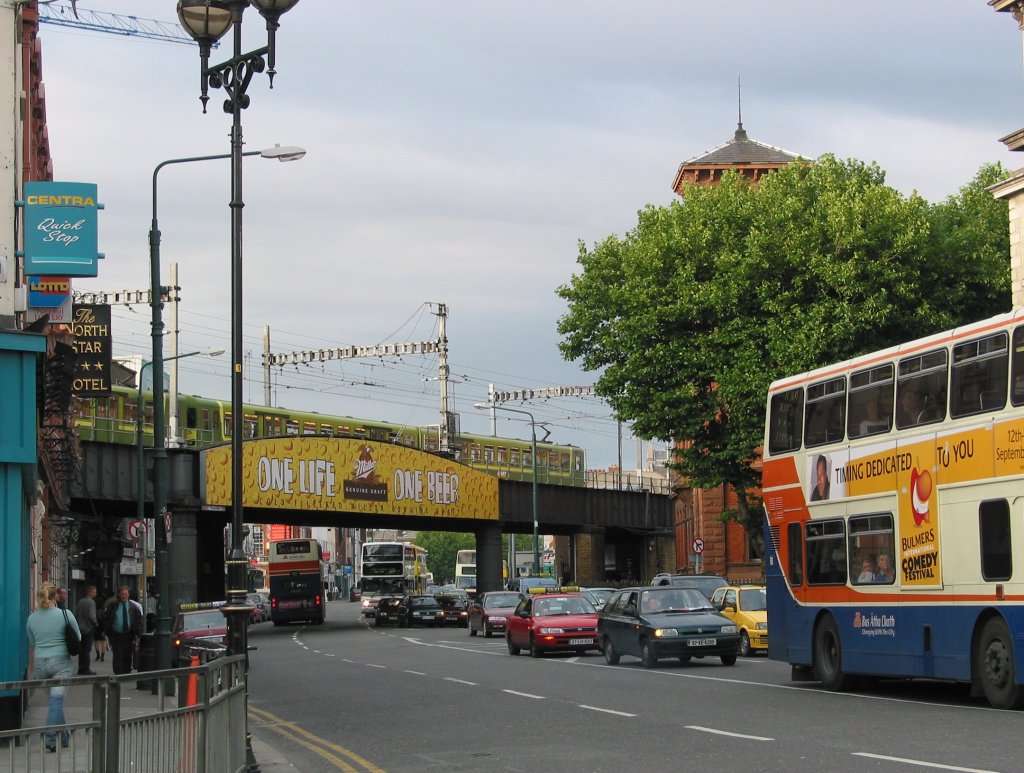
x: 702, y: 642
x: 576, y: 642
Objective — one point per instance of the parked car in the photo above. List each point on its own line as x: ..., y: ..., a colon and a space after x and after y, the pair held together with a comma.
x: 389, y: 610
x: 658, y: 622
x: 420, y: 610
x: 747, y: 606
x: 454, y: 609
x: 552, y: 622
x: 261, y: 608
x: 205, y: 629
x: 489, y: 614
x: 598, y: 596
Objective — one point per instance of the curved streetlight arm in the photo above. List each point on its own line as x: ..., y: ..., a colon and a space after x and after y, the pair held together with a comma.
x: 533, y: 476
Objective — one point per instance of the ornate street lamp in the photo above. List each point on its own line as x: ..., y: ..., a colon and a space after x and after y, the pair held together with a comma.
x: 207, y: 21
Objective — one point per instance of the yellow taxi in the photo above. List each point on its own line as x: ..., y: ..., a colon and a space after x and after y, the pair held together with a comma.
x: 747, y: 606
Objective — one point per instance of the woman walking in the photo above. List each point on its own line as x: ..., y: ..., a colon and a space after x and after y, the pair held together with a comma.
x: 48, y: 656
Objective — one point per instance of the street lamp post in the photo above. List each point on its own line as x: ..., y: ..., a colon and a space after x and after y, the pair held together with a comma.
x: 163, y: 613
x: 207, y: 21
x: 163, y: 628
x: 533, y: 477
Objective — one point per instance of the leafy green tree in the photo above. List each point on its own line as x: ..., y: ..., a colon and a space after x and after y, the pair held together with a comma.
x: 441, y: 547
x: 691, y: 315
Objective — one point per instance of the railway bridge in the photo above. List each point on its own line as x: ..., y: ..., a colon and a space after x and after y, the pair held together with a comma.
x: 320, y: 481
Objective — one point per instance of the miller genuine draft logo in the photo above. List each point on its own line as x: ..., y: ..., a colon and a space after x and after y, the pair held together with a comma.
x: 365, y: 483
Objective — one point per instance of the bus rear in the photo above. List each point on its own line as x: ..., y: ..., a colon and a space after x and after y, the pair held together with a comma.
x: 296, y: 582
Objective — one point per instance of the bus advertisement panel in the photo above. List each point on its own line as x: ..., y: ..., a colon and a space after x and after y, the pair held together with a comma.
x: 296, y: 581
x: 891, y: 491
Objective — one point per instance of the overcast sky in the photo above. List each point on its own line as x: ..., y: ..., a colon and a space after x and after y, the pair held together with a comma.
x: 458, y: 151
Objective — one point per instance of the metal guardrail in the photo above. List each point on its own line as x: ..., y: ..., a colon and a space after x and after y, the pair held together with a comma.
x: 203, y: 731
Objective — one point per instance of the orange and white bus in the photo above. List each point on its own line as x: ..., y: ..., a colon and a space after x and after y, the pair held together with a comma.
x: 893, y: 490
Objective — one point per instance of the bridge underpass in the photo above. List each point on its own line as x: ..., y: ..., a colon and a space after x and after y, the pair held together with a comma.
x: 601, y: 535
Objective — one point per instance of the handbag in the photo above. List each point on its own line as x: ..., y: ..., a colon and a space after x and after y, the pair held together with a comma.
x: 74, y: 644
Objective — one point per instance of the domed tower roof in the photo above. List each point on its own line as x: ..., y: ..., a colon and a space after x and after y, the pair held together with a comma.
x: 741, y: 154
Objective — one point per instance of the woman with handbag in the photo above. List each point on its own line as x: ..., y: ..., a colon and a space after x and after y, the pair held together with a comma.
x: 49, y: 629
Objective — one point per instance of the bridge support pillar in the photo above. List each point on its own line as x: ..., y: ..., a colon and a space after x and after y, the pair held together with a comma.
x: 183, y: 550
x: 488, y: 558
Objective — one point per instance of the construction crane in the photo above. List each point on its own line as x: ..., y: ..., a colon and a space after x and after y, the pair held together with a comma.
x: 68, y: 14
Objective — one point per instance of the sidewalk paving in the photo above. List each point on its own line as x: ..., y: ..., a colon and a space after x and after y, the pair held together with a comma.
x: 78, y: 708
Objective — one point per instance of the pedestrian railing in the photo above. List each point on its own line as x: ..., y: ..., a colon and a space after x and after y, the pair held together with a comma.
x: 202, y: 730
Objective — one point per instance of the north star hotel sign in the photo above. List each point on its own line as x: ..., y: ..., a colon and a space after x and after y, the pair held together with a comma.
x: 60, y: 229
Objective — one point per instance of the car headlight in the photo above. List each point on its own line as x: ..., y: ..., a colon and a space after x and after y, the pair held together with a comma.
x: 762, y: 626
x: 366, y: 602
x: 663, y: 632
x: 728, y: 629
x: 552, y: 630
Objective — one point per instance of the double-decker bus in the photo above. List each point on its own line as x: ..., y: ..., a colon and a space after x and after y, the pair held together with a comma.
x: 390, y: 569
x: 892, y: 488
x: 296, y: 569
x: 465, y: 570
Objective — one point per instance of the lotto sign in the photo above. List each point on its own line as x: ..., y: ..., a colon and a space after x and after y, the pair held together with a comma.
x: 48, y: 292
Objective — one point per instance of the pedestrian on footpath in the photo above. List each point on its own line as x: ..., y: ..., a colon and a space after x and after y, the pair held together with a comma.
x: 85, y: 614
x: 123, y: 625
x: 48, y: 656
x: 62, y: 598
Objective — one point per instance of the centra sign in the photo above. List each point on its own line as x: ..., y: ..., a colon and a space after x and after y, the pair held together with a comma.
x: 61, y: 229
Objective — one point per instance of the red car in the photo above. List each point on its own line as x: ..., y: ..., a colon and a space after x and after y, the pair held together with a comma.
x: 552, y: 622
x: 490, y: 612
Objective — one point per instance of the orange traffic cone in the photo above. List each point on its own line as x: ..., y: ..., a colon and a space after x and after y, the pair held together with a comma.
x: 188, y: 762
x: 192, y: 693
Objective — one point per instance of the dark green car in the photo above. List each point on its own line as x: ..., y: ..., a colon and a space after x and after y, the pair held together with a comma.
x: 662, y: 622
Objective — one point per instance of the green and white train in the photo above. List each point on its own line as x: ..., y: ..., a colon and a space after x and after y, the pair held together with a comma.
x: 205, y: 422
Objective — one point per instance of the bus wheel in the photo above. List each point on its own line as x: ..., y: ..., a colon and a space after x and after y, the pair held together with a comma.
x: 995, y: 666
x: 828, y: 658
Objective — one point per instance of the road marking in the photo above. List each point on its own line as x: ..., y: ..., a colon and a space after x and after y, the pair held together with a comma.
x: 411, y: 640
x: 921, y: 763
x: 796, y: 688
x: 726, y: 732
x: 329, y: 655
x: 606, y: 711
x: 417, y: 673
x: 374, y: 665
x: 315, y: 743
x: 572, y: 659
x: 524, y: 694
x: 460, y: 681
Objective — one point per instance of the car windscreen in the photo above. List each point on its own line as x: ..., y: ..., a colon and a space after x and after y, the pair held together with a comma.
x: 673, y: 600
x: 203, y: 621
x: 502, y: 600
x: 753, y: 599
x: 423, y: 601
x: 563, y: 606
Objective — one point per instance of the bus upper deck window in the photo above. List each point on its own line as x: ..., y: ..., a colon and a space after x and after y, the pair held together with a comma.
x: 825, y: 413
x: 785, y: 421
x: 871, y: 396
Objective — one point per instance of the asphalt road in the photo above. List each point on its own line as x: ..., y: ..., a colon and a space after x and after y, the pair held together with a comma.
x: 349, y: 696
